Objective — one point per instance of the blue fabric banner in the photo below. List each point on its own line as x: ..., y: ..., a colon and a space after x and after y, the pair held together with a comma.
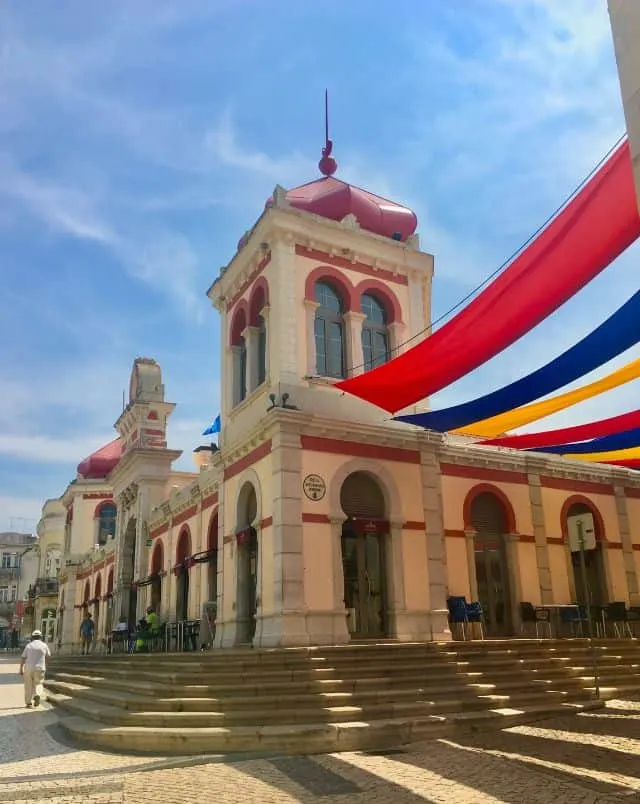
x: 625, y: 440
x: 611, y: 338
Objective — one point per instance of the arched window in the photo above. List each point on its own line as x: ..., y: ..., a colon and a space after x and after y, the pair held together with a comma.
x: 239, y: 351
x: 329, y: 332
x: 375, y: 332
x: 257, y: 304
x: 106, y: 523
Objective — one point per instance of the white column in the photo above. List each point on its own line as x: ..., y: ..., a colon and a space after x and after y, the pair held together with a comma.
x: 311, y: 307
x: 284, y: 305
x: 354, y: 357
x: 267, y: 357
x: 251, y: 336
x: 234, y: 375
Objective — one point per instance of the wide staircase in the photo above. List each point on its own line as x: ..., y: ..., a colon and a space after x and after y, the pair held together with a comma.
x: 327, y: 699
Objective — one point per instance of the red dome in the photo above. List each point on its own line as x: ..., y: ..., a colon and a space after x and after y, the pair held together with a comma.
x: 101, y: 462
x: 334, y: 199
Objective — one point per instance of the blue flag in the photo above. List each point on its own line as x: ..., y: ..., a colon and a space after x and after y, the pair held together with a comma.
x: 213, y: 428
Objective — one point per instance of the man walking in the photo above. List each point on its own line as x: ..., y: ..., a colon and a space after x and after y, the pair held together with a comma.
x: 33, y: 664
x: 87, y: 630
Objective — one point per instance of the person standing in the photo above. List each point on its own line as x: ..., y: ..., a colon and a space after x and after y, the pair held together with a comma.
x: 87, y: 630
x: 33, y: 665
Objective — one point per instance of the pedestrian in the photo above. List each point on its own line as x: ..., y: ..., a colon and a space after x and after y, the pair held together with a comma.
x: 33, y: 665
x: 87, y: 630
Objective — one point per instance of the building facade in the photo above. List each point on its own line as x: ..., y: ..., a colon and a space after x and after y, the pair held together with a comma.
x: 16, y: 571
x: 318, y: 521
x: 625, y: 24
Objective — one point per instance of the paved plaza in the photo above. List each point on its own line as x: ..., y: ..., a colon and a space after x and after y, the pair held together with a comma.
x: 578, y: 760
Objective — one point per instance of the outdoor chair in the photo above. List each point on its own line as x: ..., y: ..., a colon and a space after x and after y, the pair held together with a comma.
x: 537, y: 616
x: 616, y: 614
x: 475, y: 614
x: 574, y: 617
x: 458, y: 620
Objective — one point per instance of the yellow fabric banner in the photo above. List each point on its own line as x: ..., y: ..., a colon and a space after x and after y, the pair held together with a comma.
x: 605, y: 457
x: 518, y: 417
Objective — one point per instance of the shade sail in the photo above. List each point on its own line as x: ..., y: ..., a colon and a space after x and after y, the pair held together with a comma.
x: 566, y: 435
x: 594, y: 228
x: 518, y: 417
x: 624, y: 440
x: 615, y: 335
x: 607, y: 457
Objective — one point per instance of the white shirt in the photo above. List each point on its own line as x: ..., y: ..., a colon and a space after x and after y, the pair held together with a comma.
x: 35, y: 655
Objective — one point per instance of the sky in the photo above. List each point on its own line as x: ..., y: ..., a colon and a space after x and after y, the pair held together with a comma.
x: 139, y: 139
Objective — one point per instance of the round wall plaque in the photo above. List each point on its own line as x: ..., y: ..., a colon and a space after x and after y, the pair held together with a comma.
x: 314, y: 487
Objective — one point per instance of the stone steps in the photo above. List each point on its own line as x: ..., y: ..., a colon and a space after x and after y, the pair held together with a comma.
x: 328, y: 699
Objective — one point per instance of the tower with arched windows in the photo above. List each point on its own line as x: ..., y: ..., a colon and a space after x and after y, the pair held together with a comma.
x: 328, y: 283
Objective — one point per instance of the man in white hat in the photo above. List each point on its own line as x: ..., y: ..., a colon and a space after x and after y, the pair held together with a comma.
x: 33, y: 664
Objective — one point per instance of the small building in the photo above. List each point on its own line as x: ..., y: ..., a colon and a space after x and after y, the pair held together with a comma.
x: 317, y: 520
x: 15, y: 576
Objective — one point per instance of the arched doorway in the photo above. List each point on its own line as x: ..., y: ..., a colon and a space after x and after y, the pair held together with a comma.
x: 490, y: 521
x: 129, y: 593
x: 247, y: 540
x: 97, y: 594
x: 157, y: 564
x: 581, y: 518
x: 182, y: 587
x: 212, y: 560
x: 364, y: 536
x: 109, y: 621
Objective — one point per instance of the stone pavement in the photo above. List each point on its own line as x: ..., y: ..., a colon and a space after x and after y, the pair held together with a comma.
x: 588, y: 759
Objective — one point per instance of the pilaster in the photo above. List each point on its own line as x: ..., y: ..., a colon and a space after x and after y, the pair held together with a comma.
x: 355, y: 355
x: 436, y: 554
x: 251, y: 336
x: 284, y: 304
x: 540, y: 536
x: 627, y: 544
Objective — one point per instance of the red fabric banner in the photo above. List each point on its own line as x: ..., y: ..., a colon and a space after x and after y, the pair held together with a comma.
x: 569, y: 435
x: 594, y: 228
x: 630, y: 463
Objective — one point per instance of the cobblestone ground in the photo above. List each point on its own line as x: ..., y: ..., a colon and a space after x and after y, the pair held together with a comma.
x: 588, y: 759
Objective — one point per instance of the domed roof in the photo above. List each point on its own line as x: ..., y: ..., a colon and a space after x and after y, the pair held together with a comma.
x: 335, y: 199
x: 102, y: 461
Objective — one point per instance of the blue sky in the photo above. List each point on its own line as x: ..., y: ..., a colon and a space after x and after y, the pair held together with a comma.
x: 138, y: 140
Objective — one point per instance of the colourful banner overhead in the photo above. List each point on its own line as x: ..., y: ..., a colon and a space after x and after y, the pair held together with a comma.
x: 594, y: 228
x: 616, y: 441
x: 512, y: 419
x: 566, y: 435
x: 608, y: 457
x: 615, y: 335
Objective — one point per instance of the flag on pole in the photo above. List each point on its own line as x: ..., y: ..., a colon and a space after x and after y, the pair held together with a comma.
x: 213, y: 428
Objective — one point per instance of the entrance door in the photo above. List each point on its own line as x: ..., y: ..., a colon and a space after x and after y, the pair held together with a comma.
x: 364, y: 592
x: 493, y: 585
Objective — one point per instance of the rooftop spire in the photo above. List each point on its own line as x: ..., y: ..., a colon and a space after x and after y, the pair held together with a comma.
x: 327, y: 163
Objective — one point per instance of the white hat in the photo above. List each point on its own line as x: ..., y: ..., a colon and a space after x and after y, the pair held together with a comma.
x: 36, y: 633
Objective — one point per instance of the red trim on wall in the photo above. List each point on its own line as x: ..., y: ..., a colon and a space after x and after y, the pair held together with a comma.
x: 153, y: 534
x: 382, y: 293
x: 247, y: 460
x: 239, y: 322
x: 207, y: 502
x: 252, y: 276
x: 100, y: 506
x: 414, y: 525
x: 266, y: 522
x: 584, y: 486
x: 357, y: 267
x: 555, y: 540
x: 183, y: 547
x: 153, y: 432
x: 191, y: 511
x: 97, y: 495
x: 487, y: 488
x: 483, y: 473
x: 259, y: 298
x: 632, y: 493
x: 597, y: 516
x: 613, y: 545
x: 454, y: 534
x: 358, y: 450
x: 315, y: 519
x: 153, y: 415
x: 341, y: 283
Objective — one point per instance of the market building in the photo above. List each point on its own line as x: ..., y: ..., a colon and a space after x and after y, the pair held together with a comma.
x: 318, y: 520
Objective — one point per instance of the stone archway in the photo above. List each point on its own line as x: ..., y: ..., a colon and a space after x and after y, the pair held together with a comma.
x: 247, y: 512
x: 157, y: 566
x: 589, y: 583
x: 365, y: 543
x: 183, y: 551
x: 488, y: 514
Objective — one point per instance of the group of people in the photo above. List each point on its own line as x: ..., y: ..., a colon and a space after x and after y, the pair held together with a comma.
x: 147, y: 630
